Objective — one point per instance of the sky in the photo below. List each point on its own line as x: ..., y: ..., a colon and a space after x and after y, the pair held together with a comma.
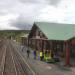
x: 21, y: 14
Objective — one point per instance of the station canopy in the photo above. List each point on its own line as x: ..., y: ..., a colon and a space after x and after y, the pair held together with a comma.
x: 57, y: 31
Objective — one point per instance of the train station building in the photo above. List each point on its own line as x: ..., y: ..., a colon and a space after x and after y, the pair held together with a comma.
x: 55, y: 38
x: 24, y: 39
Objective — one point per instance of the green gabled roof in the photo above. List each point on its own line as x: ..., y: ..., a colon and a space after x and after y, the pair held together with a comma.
x: 57, y: 31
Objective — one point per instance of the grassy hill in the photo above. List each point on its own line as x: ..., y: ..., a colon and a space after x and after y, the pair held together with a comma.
x: 12, y: 33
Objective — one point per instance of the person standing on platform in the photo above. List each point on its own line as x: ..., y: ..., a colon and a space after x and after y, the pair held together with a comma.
x: 34, y: 54
x: 41, y: 55
x: 28, y: 53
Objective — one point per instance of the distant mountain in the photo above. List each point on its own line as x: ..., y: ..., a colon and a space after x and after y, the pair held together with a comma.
x: 14, y: 30
x: 26, y: 27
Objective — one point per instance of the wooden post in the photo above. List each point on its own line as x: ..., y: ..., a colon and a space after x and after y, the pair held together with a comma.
x: 51, y: 48
x: 42, y: 45
x: 67, y: 54
x: 35, y: 44
x: 28, y: 42
x: 38, y: 44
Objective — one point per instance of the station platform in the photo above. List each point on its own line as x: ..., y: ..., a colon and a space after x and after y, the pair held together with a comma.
x: 42, y: 68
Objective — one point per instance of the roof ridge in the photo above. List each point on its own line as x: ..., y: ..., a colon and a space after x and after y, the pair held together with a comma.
x: 54, y: 23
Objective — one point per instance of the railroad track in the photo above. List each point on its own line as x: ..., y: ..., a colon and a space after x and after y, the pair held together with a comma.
x: 8, y: 64
x: 2, y: 55
x: 25, y: 66
x: 3, y: 61
x: 18, y: 62
x: 11, y: 62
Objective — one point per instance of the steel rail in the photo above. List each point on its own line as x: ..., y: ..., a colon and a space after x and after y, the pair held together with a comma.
x: 3, y: 60
x: 18, y: 61
x: 13, y: 62
x: 25, y: 62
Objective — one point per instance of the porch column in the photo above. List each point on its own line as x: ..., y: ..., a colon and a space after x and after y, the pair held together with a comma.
x: 51, y: 48
x: 35, y: 44
x: 67, y: 54
x: 28, y: 42
x: 42, y: 45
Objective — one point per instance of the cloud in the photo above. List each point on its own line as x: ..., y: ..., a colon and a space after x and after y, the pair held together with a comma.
x: 54, y: 2
x: 51, y: 2
x: 34, y: 1
x: 63, y: 13
x: 5, y: 21
x: 17, y: 9
x: 20, y: 14
x: 22, y: 23
x: 50, y: 13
